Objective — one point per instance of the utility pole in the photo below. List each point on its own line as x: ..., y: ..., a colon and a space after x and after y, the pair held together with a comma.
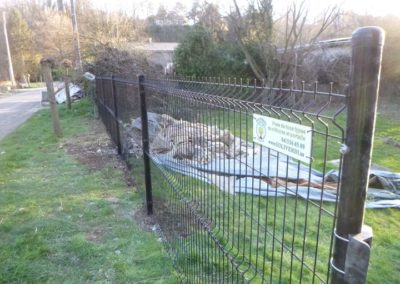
x: 10, y: 66
x: 78, y: 60
x: 60, y: 6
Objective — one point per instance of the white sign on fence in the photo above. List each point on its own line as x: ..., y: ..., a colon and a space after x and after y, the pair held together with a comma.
x: 289, y: 138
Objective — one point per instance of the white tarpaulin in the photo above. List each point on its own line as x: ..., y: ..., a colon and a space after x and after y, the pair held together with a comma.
x: 61, y: 96
x: 217, y: 157
x: 231, y: 176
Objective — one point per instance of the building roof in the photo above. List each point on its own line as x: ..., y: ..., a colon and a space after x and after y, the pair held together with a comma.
x: 335, y: 42
x: 156, y: 46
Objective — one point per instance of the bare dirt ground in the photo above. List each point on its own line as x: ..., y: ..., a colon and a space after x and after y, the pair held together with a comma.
x: 96, y: 150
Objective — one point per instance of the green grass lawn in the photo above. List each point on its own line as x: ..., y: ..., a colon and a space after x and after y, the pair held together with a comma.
x: 63, y: 222
x: 35, y: 85
x: 385, y: 258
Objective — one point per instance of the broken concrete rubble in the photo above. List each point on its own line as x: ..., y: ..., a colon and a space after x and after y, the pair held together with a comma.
x: 213, y: 155
x: 185, y: 140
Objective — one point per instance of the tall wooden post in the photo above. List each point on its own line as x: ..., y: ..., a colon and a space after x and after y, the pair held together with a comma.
x: 367, y: 45
x: 67, y: 91
x: 67, y: 64
x: 47, y: 65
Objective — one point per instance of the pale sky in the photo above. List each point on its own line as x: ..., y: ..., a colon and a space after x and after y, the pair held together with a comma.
x: 373, y: 7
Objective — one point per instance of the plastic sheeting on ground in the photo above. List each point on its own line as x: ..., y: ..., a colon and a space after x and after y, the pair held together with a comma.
x: 216, y: 156
x: 61, y: 96
x: 237, y: 176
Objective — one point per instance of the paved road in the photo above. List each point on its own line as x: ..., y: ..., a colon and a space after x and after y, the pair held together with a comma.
x: 15, y: 109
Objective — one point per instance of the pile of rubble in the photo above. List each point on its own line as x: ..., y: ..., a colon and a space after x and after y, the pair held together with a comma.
x: 186, y: 141
x: 111, y: 60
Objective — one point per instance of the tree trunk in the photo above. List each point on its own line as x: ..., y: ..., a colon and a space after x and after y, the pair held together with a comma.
x: 46, y: 69
x: 77, y: 47
x: 60, y: 6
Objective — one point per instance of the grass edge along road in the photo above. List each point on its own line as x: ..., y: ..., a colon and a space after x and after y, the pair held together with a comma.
x: 61, y: 221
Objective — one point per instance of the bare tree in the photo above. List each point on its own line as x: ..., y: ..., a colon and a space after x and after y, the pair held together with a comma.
x: 295, y: 42
x: 78, y: 60
x: 60, y: 5
x: 255, y: 26
x: 299, y: 39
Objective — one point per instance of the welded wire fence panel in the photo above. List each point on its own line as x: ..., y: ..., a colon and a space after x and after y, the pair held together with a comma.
x: 106, y: 107
x: 127, y: 101
x: 233, y: 210
x: 118, y: 106
x: 230, y: 209
x: 246, y: 176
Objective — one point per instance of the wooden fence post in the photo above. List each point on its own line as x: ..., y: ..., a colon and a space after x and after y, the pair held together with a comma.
x: 352, y: 238
x: 67, y: 91
x: 67, y: 64
x: 47, y: 65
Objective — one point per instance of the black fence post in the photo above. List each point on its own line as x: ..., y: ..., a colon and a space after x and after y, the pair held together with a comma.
x: 145, y: 141
x: 97, y: 89
x: 101, y: 103
x: 116, y: 117
x: 367, y: 45
x: 94, y: 91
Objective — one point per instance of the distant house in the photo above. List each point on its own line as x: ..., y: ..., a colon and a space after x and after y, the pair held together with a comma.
x: 169, y: 22
x: 157, y: 53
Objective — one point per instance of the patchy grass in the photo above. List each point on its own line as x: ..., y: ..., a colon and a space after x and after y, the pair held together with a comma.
x: 63, y: 221
x: 33, y: 85
x: 37, y: 85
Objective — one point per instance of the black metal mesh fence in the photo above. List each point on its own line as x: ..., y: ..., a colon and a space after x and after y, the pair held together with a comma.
x: 230, y: 208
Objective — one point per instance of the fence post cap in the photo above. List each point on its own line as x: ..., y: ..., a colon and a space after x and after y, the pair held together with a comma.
x: 370, y: 34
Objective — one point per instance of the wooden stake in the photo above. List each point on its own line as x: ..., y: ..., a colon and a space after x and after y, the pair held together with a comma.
x: 46, y: 70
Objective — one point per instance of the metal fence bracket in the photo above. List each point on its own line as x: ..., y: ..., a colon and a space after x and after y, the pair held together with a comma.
x: 357, y: 256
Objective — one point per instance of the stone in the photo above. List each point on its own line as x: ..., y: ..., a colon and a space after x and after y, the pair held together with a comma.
x: 184, y: 140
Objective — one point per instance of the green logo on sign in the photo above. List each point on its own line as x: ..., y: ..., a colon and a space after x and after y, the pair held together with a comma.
x: 261, y: 130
